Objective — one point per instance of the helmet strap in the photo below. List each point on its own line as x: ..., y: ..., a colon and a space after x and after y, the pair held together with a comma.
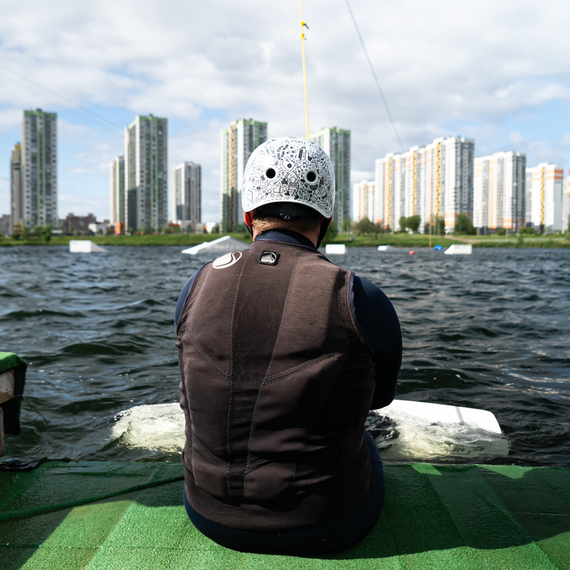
x: 248, y: 222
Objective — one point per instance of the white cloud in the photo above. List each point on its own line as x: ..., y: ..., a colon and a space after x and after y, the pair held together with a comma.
x: 441, y: 64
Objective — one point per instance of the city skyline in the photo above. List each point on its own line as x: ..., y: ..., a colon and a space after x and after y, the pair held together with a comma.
x: 499, y: 74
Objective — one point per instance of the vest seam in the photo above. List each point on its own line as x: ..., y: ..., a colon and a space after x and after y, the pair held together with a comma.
x: 231, y: 372
x: 207, y: 358
x: 299, y: 368
x: 211, y: 456
x: 339, y: 307
x: 251, y: 427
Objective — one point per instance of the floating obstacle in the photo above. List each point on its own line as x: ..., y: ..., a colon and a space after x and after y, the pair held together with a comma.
x: 335, y: 249
x: 221, y: 245
x: 85, y: 246
x: 459, y: 249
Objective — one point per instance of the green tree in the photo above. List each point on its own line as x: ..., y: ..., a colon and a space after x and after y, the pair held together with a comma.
x: 525, y: 230
x: 46, y: 233
x: 25, y: 232
x: 440, y: 226
x: 414, y: 223
x: 216, y: 229
x: 403, y: 223
x: 38, y: 231
x: 501, y: 232
x: 166, y: 229
x: 463, y: 225
x: 364, y: 226
x: 346, y: 225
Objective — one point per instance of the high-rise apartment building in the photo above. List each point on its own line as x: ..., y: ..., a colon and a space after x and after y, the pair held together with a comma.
x: 118, y: 191
x: 544, y: 197
x: 363, y: 201
x: 499, y: 190
x: 566, y: 205
x: 336, y: 143
x: 237, y: 143
x: 16, y: 198
x: 187, y: 193
x: 435, y: 181
x: 146, y: 173
x: 37, y: 204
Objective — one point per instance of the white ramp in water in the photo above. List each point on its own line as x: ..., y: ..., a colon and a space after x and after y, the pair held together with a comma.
x: 84, y: 246
x: 335, y: 248
x: 220, y: 245
x: 403, y: 430
x: 459, y: 249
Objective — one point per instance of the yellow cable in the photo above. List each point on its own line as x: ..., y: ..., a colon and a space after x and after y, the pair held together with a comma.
x: 304, y: 67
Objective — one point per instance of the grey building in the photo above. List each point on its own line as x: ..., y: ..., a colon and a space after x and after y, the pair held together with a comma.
x: 237, y: 144
x: 16, y: 198
x: 118, y: 191
x: 187, y: 193
x: 37, y: 203
x: 146, y: 178
x: 336, y: 143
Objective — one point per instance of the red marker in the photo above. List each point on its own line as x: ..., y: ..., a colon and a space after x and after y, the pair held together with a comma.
x: 412, y: 252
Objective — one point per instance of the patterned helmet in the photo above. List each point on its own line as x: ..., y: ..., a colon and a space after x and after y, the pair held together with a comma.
x: 289, y: 170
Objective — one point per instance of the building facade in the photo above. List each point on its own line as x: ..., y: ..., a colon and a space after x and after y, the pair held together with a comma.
x: 146, y: 173
x: 16, y: 198
x: 336, y: 143
x: 499, y: 192
x: 237, y: 143
x: 566, y: 206
x: 187, y: 193
x: 37, y: 203
x: 363, y: 201
x: 435, y: 181
x: 544, y: 197
x: 118, y: 191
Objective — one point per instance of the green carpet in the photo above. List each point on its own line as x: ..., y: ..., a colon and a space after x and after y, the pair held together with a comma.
x: 109, y: 516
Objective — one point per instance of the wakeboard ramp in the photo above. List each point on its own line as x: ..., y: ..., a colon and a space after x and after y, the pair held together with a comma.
x: 404, y: 430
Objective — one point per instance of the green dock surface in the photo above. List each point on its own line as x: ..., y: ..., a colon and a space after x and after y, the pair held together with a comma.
x: 107, y: 516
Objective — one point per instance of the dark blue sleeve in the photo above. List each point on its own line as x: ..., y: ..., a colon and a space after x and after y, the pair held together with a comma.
x: 183, y: 296
x: 378, y: 321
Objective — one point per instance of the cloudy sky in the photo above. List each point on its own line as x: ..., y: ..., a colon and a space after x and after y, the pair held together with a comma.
x: 495, y: 71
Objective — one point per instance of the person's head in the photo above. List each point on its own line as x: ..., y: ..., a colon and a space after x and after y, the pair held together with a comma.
x: 288, y: 184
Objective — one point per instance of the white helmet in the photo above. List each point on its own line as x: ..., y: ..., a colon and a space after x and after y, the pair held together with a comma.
x: 289, y: 170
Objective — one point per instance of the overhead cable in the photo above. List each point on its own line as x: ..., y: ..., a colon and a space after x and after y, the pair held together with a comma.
x: 374, y: 75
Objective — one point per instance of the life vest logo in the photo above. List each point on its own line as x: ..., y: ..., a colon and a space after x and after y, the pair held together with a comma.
x: 227, y: 260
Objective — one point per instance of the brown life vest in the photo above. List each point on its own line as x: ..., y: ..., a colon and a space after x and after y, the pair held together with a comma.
x: 276, y: 384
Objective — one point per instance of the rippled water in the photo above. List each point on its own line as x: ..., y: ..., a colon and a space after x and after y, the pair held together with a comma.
x: 490, y: 330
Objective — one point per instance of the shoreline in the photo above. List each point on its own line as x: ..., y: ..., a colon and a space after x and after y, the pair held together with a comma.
x: 551, y: 241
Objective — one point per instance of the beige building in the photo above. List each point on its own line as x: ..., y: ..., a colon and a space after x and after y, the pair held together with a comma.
x: 363, y: 201
x: 499, y: 191
x: 432, y: 181
x: 566, y: 205
x: 544, y: 197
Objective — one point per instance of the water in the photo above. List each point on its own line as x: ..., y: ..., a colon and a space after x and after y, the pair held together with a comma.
x: 490, y: 330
